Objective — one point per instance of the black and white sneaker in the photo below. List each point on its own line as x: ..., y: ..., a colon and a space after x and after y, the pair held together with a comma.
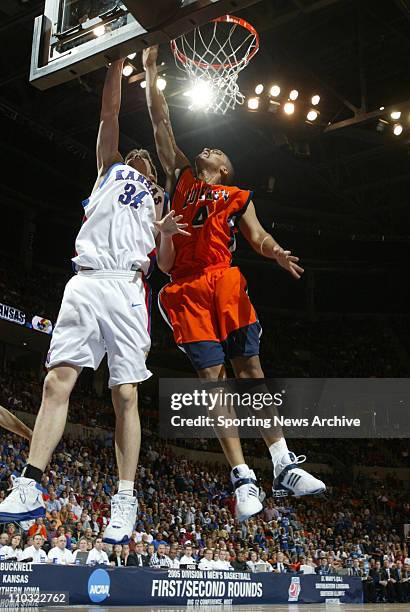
x: 289, y: 479
x: 246, y: 496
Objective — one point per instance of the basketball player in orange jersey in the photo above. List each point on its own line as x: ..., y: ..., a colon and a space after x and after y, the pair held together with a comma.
x: 206, y: 301
x: 10, y: 422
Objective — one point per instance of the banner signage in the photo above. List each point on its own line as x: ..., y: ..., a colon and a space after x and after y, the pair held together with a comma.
x: 135, y: 586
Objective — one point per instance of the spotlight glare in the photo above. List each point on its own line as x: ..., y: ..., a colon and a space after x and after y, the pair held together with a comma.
x: 253, y: 103
x: 201, y: 95
x: 289, y: 108
x: 259, y: 89
x: 395, y: 115
x: 99, y: 31
x: 161, y: 83
x: 397, y: 129
x: 132, y: 55
x: 381, y: 108
x: 274, y: 91
x: 294, y: 94
x: 315, y: 99
x: 143, y: 84
x: 127, y: 70
x: 312, y: 115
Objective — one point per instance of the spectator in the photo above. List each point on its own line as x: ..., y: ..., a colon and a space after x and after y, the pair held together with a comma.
x: 222, y: 563
x: 116, y: 559
x: 141, y: 558
x: 35, y: 552
x: 307, y: 565
x: 239, y: 563
x: 187, y: 560
x: 207, y: 563
x: 80, y: 555
x: 13, y: 552
x: 38, y: 528
x: 159, y: 559
x: 60, y: 554
x: 173, y: 556
x: 97, y: 556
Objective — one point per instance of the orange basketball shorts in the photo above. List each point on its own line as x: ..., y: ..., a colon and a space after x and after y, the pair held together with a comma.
x: 211, y: 316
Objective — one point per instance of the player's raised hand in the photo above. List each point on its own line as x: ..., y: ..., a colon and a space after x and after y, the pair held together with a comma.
x: 149, y: 56
x: 288, y: 262
x: 169, y: 225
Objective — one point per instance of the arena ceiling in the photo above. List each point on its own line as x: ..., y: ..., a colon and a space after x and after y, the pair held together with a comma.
x: 355, y: 54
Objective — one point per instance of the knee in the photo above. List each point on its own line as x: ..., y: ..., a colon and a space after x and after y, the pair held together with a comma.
x: 125, y: 396
x: 251, y: 370
x: 57, y: 385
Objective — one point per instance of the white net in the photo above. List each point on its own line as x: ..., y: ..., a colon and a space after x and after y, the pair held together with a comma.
x: 213, y: 56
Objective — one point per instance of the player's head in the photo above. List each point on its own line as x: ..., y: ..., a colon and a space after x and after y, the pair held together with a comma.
x: 140, y: 160
x: 216, y: 164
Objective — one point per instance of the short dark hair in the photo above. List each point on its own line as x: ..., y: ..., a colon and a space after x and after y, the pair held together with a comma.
x: 145, y: 154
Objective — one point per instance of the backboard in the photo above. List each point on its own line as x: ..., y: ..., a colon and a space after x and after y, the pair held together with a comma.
x: 74, y: 37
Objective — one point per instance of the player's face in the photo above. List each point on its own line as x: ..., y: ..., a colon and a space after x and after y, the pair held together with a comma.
x: 141, y: 165
x: 211, y: 160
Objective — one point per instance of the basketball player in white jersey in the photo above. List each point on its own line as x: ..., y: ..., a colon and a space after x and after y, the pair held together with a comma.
x: 103, y: 311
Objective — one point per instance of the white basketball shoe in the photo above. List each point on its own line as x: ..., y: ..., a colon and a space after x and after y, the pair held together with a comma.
x: 123, y: 516
x: 24, y: 503
x: 246, y: 493
x: 289, y: 479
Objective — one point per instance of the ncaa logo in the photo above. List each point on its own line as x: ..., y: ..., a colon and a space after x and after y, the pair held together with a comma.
x: 294, y: 589
x: 99, y: 586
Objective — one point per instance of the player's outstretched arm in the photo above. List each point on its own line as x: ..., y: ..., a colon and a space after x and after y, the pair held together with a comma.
x: 264, y: 244
x: 167, y: 227
x: 108, y: 133
x: 13, y: 424
x: 170, y: 156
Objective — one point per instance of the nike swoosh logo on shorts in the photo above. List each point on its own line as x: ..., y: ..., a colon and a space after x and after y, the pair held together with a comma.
x: 133, y: 305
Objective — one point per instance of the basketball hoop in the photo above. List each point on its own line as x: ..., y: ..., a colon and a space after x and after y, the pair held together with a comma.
x: 213, y: 55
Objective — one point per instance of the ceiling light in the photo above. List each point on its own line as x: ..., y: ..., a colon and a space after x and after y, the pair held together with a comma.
x: 132, y: 55
x: 289, y: 108
x: 127, y: 70
x: 161, y: 83
x: 312, y: 115
x: 315, y: 99
x: 294, y: 94
x: 201, y: 95
x: 259, y: 89
x: 274, y: 91
x: 397, y: 129
x: 395, y: 115
x: 143, y: 84
x: 253, y: 103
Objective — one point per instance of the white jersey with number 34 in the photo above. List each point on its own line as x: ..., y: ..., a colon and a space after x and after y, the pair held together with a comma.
x: 118, y: 231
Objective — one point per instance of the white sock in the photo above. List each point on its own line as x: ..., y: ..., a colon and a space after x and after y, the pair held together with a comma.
x: 278, y: 449
x: 126, y: 487
x: 239, y: 471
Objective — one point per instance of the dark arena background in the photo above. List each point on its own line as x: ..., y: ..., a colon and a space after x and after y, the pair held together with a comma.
x: 323, y: 140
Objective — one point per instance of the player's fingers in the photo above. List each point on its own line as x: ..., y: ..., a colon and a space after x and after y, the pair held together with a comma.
x: 293, y: 258
x: 180, y: 231
x: 287, y: 253
x: 182, y: 224
x: 298, y: 269
x: 178, y: 217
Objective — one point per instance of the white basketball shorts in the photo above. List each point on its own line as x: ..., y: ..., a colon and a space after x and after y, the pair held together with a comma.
x: 103, y: 311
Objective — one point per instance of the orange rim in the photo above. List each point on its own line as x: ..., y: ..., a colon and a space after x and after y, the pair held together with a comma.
x: 226, y: 19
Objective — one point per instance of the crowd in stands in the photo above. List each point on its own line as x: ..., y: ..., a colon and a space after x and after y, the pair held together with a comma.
x: 186, y: 519
x: 338, y: 346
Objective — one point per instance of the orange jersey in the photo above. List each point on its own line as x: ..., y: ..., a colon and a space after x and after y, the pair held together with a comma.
x: 212, y: 213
